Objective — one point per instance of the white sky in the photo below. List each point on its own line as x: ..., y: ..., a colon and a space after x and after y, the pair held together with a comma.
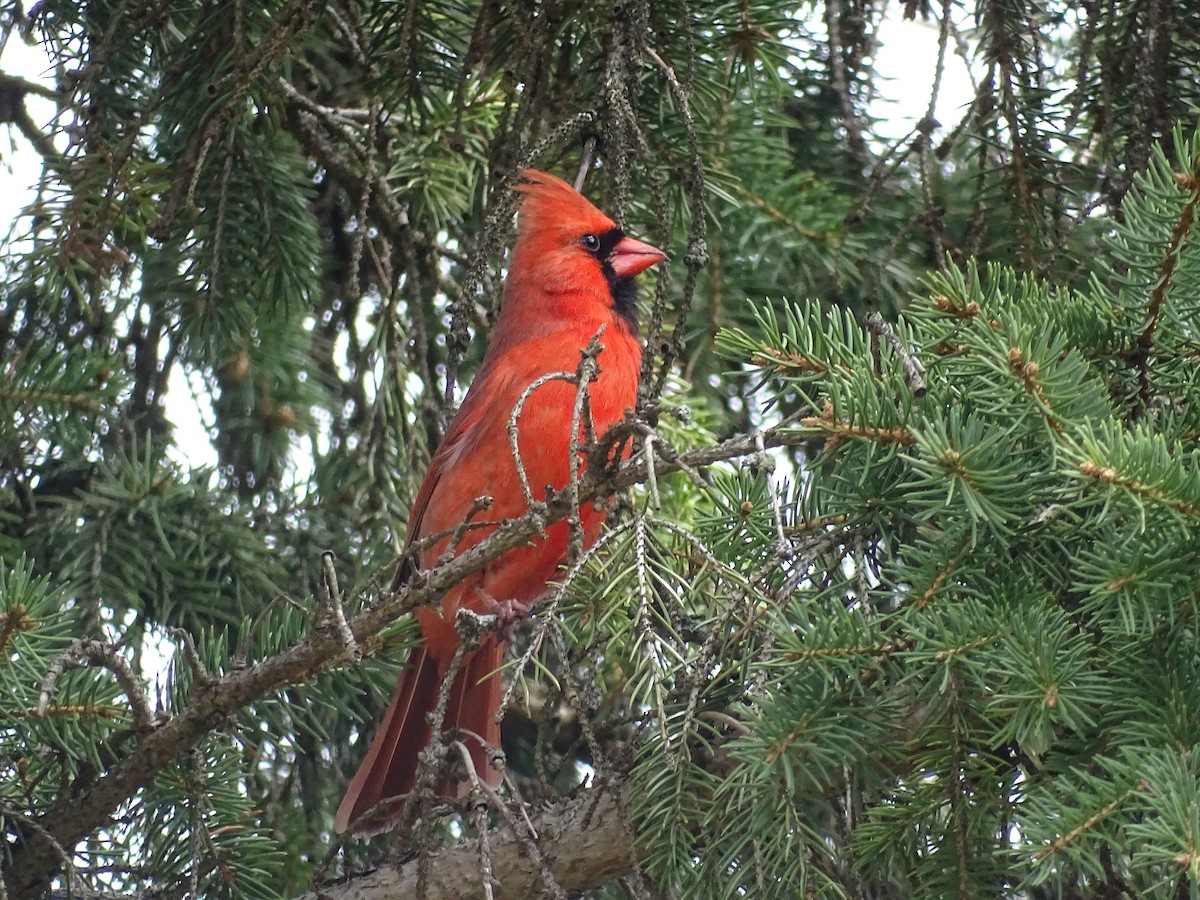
x: 19, y: 165
x: 906, y: 59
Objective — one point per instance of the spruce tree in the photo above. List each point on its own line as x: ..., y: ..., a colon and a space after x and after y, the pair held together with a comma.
x: 898, y: 598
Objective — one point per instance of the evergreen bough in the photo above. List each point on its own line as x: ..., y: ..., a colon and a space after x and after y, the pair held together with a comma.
x: 908, y: 607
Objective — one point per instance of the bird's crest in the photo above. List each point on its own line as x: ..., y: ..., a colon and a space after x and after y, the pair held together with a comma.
x: 550, y: 203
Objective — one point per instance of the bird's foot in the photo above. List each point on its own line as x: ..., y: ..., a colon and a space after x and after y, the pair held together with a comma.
x: 506, y: 612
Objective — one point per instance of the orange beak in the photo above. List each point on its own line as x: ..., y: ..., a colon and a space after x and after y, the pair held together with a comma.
x: 631, y: 256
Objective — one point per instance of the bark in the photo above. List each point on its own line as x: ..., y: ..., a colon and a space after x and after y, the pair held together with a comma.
x: 581, y: 838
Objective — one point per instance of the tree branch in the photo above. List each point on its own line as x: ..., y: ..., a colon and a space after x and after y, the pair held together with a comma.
x: 13, y: 91
x: 584, y: 842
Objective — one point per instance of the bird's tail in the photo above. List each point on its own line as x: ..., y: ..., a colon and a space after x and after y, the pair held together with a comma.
x: 390, y: 766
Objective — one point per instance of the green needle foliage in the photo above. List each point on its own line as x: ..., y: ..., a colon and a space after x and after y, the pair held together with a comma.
x: 897, y: 598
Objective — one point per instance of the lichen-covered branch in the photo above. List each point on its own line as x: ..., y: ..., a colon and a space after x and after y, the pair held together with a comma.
x: 582, y: 839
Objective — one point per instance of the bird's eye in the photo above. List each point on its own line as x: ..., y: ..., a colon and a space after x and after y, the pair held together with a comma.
x: 590, y: 243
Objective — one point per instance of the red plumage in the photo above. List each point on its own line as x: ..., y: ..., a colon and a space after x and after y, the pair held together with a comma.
x: 571, y: 272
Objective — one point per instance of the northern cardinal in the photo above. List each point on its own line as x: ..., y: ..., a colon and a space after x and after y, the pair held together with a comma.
x: 572, y: 270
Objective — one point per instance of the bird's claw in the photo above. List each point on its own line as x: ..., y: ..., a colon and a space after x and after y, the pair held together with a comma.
x: 506, y: 612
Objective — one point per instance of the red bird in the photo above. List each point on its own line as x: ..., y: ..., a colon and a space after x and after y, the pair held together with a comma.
x: 572, y: 271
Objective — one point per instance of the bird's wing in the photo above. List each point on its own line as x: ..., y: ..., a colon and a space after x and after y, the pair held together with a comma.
x: 490, y: 390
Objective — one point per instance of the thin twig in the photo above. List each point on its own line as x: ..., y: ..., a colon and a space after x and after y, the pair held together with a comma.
x: 585, y: 374
x: 195, y: 663
x: 459, y: 531
x: 433, y: 759
x: 932, y: 216
x: 495, y: 231
x: 548, y: 606
x: 196, y: 798
x: 696, y: 257
x: 651, y: 480
x: 514, y: 433
x: 480, y: 818
x: 841, y: 87
x: 572, y: 693
x: 585, y: 161
x: 332, y: 614
x: 766, y: 464
x: 664, y: 447
x: 724, y: 718
x: 429, y: 773
x: 89, y: 651
x: 521, y: 829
